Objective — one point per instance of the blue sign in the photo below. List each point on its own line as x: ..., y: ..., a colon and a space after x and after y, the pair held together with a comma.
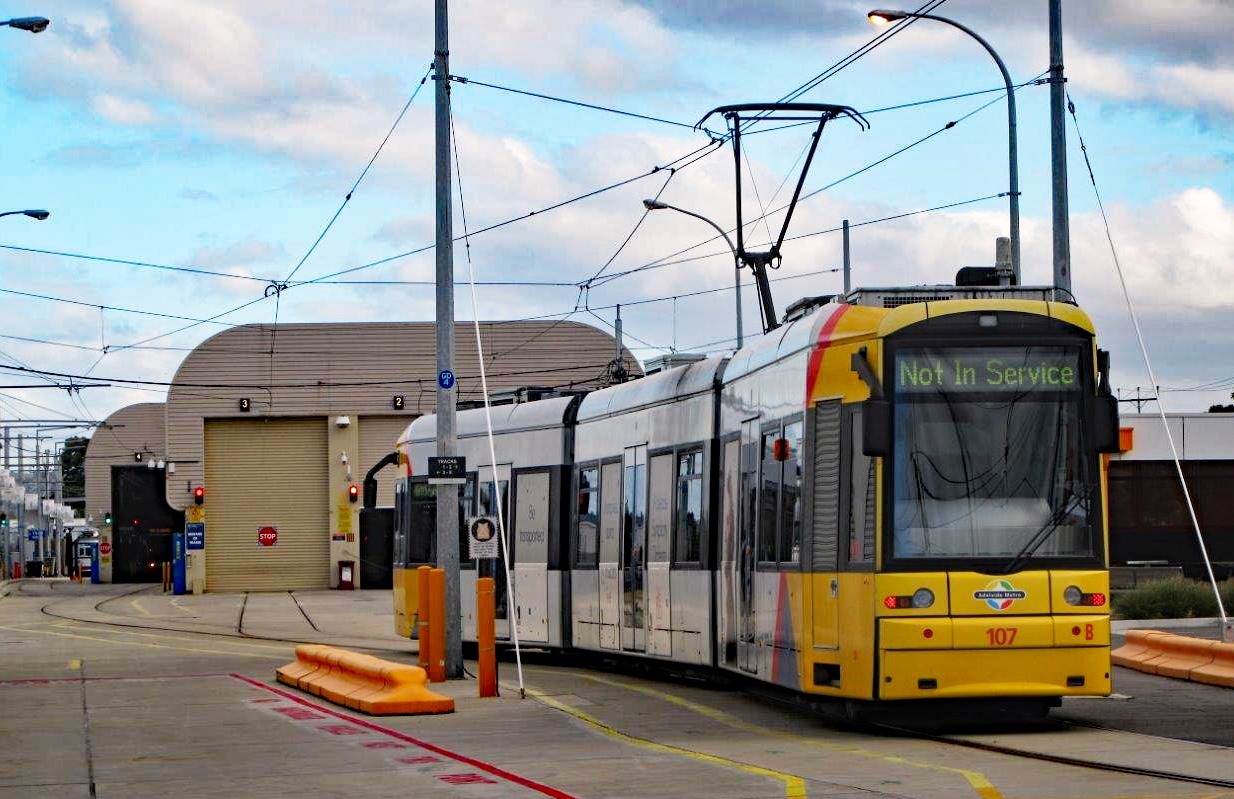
x: 445, y: 379
x: 195, y: 535
x: 32, y: 535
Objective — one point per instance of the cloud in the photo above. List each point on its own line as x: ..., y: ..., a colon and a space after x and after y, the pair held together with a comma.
x: 197, y: 195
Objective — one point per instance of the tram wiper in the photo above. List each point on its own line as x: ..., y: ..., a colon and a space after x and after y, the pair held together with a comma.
x: 1042, y: 535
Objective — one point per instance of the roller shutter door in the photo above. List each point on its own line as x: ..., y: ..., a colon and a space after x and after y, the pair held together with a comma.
x: 259, y: 473
x: 378, y: 435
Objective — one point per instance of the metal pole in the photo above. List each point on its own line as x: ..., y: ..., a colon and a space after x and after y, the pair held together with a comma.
x: 1058, y: 151
x: 21, y: 508
x: 848, y: 266
x: 737, y: 284
x: 447, y: 495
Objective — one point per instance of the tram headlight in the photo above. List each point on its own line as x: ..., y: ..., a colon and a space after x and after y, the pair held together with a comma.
x: 1072, y: 595
x: 923, y: 598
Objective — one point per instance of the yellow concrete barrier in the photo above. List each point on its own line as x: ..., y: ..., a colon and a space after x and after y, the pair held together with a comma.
x: 362, y: 682
x: 1221, y: 670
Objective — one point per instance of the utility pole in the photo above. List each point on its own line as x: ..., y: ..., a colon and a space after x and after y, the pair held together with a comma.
x: 447, y: 495
x: 848, y: 265
x: 21, y: 508
x: 1058, y: 151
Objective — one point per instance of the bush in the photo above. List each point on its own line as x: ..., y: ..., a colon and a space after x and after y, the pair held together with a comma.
x: 1177, y: 598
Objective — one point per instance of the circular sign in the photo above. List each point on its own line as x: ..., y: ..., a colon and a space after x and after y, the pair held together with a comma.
x: 105, y: 547
x: 267, y: 536
x: 445, y: 379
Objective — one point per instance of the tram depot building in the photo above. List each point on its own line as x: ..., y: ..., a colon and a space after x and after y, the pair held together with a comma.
x: 260, y: 457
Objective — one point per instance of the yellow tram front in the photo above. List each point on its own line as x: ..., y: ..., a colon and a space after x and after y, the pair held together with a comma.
x: 985, y: 423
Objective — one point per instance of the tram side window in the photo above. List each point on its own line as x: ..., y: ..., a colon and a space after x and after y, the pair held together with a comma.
x: 587, y: 532
x: 466, y: 508
x: 688, y: 523
x: 861, y: 499
x: 400, y: 522
x: 768, y: 498
x: 790, y: 495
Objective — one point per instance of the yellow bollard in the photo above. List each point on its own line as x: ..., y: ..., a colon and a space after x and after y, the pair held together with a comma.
x: 422, y: 615
x: 437, y: 625
x: 486, y: 635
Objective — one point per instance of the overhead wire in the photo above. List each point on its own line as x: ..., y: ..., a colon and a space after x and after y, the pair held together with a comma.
x: 1227, y: 629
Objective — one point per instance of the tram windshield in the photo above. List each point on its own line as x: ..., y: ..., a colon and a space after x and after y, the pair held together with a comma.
x: 989, y: 457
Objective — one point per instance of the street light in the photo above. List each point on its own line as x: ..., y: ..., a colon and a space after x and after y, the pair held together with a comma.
x: 32, y: 24
x: 33, y: 213
x: 656, y: 205
x: 880, y: 17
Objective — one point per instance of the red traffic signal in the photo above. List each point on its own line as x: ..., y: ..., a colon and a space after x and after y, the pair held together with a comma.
x: 353, y: 492
x: 199, y: 495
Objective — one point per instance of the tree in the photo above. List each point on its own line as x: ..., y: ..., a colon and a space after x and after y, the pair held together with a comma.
x: 73, y: 466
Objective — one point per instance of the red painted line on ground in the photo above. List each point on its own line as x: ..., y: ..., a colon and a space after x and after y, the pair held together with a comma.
x: 541, y: 788
x: 49, y: 680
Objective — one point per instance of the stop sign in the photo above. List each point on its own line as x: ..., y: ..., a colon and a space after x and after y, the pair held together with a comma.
x: 267, y: 536
x: 105, y: 547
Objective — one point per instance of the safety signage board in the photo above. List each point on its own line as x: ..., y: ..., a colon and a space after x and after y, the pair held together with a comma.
x: 267, y: 536
x: 445, y: 379
x: 195, y: 535
x: 447, y: 469
x: 482, y: 537
x: 105, y: 546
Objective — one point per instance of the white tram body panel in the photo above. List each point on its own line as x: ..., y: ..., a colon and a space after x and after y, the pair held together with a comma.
x: 641, y: 557
x: 533, y: 446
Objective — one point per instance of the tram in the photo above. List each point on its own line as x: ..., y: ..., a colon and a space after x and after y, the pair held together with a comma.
x: 899, y: 494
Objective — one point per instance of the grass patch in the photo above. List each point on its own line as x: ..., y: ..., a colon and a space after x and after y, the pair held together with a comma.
x: 1177, y: 598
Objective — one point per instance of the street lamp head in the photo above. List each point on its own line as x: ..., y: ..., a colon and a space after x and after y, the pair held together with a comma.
x: 881, y: 16
x: 32, y: 24
x: 37, y: 213
x: 654, y: 205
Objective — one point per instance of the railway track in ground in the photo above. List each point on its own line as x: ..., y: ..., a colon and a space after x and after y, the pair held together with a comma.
x: 1064, y: 760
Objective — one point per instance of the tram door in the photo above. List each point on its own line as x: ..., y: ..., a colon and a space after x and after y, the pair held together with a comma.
x: 634, y: 551
x: 531, y: 514
x: 747, y: 554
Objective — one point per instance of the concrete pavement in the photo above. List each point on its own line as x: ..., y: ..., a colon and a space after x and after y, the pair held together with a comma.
x: 123, y: 692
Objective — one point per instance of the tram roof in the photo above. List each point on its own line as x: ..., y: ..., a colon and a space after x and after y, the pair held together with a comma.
x: 785, y: 340
x: 506, y: 418
x: 671, y: 384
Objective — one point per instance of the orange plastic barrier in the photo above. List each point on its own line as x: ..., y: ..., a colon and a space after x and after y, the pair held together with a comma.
x: 1221, y: 670
x: 437, y: 625
x: 1180, y: 655
x: 1140, y: 646
x: 422, y: 613
x: 486, y: 635
x: 362, y: 682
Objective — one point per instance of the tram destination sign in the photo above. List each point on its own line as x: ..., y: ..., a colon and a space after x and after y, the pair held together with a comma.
x: 1009, y: 370
x: 447, y: 470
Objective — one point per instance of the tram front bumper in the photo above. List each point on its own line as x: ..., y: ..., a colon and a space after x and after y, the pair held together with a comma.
x: 1034, y: 656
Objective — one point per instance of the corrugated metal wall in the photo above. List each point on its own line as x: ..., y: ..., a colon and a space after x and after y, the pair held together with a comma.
x: 267, y: 472
x: 135, y: 428
x: 378, y: 435
x: 386, y: 358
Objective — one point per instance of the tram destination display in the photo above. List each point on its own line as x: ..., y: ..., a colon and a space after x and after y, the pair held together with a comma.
x: 1001, y: 370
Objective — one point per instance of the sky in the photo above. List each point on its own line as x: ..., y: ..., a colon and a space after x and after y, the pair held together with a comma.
x: 223, y: 135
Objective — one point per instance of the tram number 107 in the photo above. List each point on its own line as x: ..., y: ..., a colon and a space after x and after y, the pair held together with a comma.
x: 1001, y: 636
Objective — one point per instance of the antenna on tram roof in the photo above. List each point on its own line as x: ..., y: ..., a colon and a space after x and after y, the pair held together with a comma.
x: 735, y: 116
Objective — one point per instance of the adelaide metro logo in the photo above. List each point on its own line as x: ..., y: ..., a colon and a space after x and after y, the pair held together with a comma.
x: 999, y: 594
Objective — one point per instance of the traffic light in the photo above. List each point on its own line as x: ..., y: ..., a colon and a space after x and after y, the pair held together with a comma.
x: 4, y: 520
x: 199, y: 495
x: 107, y: 518
x: 353, y: 492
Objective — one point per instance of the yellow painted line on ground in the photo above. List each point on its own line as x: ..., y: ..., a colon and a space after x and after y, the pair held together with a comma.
x: 984, y: 788
x: 147, y: 645
x: 74, y: 664
x: 97, y: 627
x: 139, y: 608
x: 175, y: 601
x: 794, y: 786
